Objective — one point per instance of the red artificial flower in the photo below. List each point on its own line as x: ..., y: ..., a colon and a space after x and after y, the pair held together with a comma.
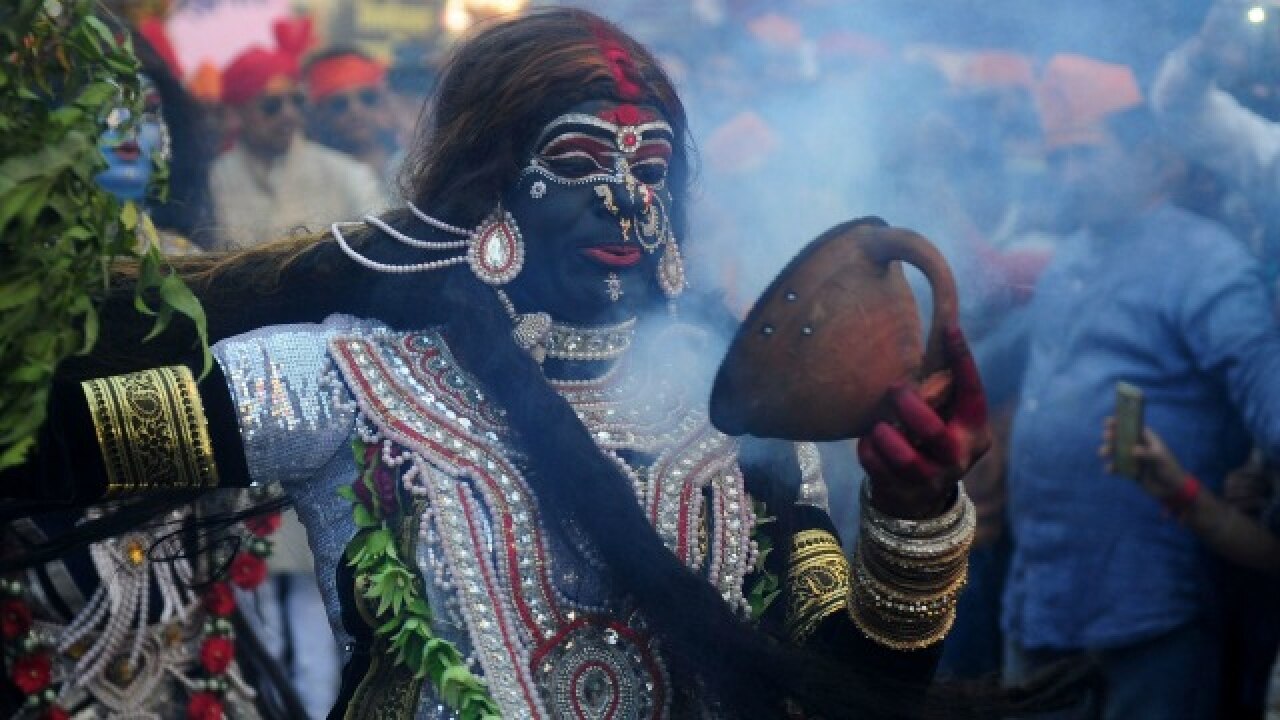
x: 219, y: 600
x: 15, y: 618
x: 31, y: 673
x: 248, y: 570
x: 54, y: 712
x: 364, y: 495
x: 204, y: 706
x: 263, y: 525
x: 216, y: 654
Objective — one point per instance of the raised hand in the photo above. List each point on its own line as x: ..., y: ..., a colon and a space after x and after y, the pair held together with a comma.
x: 914, y: 465
x: 1226, y: 35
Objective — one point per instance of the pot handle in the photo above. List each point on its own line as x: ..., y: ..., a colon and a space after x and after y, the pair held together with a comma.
x: 886, y: 244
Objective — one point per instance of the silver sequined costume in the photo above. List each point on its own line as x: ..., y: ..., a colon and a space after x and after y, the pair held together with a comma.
x: 535, y: 620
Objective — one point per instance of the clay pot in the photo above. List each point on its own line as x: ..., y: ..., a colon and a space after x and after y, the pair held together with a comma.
x: 835, y: 331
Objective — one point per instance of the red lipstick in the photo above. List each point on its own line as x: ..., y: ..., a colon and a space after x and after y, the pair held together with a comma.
x: 128, y: 151
x: 613, y: 255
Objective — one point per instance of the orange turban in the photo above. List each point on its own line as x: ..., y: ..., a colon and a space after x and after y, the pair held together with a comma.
x: 206, y: 83
x: 252, y: 71
x: 1076, y: 96
x: 994, y: 69
x: 340, y: 73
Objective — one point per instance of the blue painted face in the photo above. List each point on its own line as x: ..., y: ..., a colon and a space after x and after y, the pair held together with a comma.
x: 129, y: 148
x: 594, y: 207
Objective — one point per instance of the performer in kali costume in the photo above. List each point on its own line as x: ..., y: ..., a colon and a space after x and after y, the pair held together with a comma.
x: 511, y: 511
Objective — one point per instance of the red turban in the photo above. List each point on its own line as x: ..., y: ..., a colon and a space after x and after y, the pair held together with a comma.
x: 340, y: 73
x: 157, y: 36
x: 252, y: 70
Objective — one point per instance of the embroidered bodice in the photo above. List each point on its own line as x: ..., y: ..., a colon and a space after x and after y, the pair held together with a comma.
x: 522, y: 600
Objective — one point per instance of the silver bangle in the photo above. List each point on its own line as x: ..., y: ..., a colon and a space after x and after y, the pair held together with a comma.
x: 927, y: 528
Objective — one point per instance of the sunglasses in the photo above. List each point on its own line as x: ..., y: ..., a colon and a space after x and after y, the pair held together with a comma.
x: 271, y: 105
x: 338, y: 104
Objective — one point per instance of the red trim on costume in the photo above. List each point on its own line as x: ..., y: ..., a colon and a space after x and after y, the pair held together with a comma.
x: 492, y: 590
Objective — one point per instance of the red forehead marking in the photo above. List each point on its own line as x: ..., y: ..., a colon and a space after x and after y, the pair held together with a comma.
x: 626, y: 115
x: 621, y: 65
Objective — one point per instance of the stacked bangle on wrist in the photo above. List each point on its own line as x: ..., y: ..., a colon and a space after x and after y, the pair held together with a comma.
x: 907, y: 574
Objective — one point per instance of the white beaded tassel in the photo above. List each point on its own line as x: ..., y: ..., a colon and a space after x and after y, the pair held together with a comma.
x: 384, y: 267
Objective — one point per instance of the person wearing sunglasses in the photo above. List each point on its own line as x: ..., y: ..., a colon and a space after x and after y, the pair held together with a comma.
x: 274, y: 180
x: 350, y: 110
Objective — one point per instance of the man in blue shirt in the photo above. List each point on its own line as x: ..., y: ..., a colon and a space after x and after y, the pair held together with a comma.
x: 1149, y: 294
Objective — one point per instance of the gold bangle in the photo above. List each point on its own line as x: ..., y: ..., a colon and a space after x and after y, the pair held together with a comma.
x: 910, y: 586
x: 897, y: 629
x: 152, y: 431
x: 886, y: 594
x: 899, y: 636
x: 818, y: 582
x: 903, y: 613
x: 927, y: 528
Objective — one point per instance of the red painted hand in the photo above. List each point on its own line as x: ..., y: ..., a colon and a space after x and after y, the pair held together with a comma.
x: 914, y: 466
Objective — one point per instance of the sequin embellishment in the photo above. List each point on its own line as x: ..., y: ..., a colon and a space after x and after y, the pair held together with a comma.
x: 542, y: 655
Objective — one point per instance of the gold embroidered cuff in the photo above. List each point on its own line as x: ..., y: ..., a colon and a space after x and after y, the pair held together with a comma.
x: 152, y: 431
x: 818, y: 579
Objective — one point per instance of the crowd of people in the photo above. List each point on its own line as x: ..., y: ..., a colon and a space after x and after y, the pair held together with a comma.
x: 1105, y: 226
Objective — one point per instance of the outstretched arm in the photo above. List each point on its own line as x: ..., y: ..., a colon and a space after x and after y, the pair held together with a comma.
x: 266, y: 413
x: 153, y: 431
x: 1209, y: 124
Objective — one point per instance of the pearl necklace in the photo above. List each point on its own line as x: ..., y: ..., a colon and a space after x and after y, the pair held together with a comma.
x: 407, y: 240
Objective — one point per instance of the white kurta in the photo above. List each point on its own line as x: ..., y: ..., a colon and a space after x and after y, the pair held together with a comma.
x: 308, y: 188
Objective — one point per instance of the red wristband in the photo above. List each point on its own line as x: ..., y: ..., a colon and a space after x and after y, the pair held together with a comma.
x: 1180, y: 503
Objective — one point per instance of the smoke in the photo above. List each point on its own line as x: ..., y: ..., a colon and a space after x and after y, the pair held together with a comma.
x: 807, y: 114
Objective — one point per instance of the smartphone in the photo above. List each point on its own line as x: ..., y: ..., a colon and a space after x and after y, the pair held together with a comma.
x: 1129, y: 425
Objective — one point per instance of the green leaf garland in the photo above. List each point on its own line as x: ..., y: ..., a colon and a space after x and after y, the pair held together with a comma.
x: 64, y: 71
x: 401, y: 603
x: 767, y: 587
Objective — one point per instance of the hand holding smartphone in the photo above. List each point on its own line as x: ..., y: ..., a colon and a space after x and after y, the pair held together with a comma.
x: 1129, y: 425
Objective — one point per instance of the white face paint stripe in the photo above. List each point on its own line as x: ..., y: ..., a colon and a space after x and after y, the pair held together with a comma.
x: 656, y: 126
